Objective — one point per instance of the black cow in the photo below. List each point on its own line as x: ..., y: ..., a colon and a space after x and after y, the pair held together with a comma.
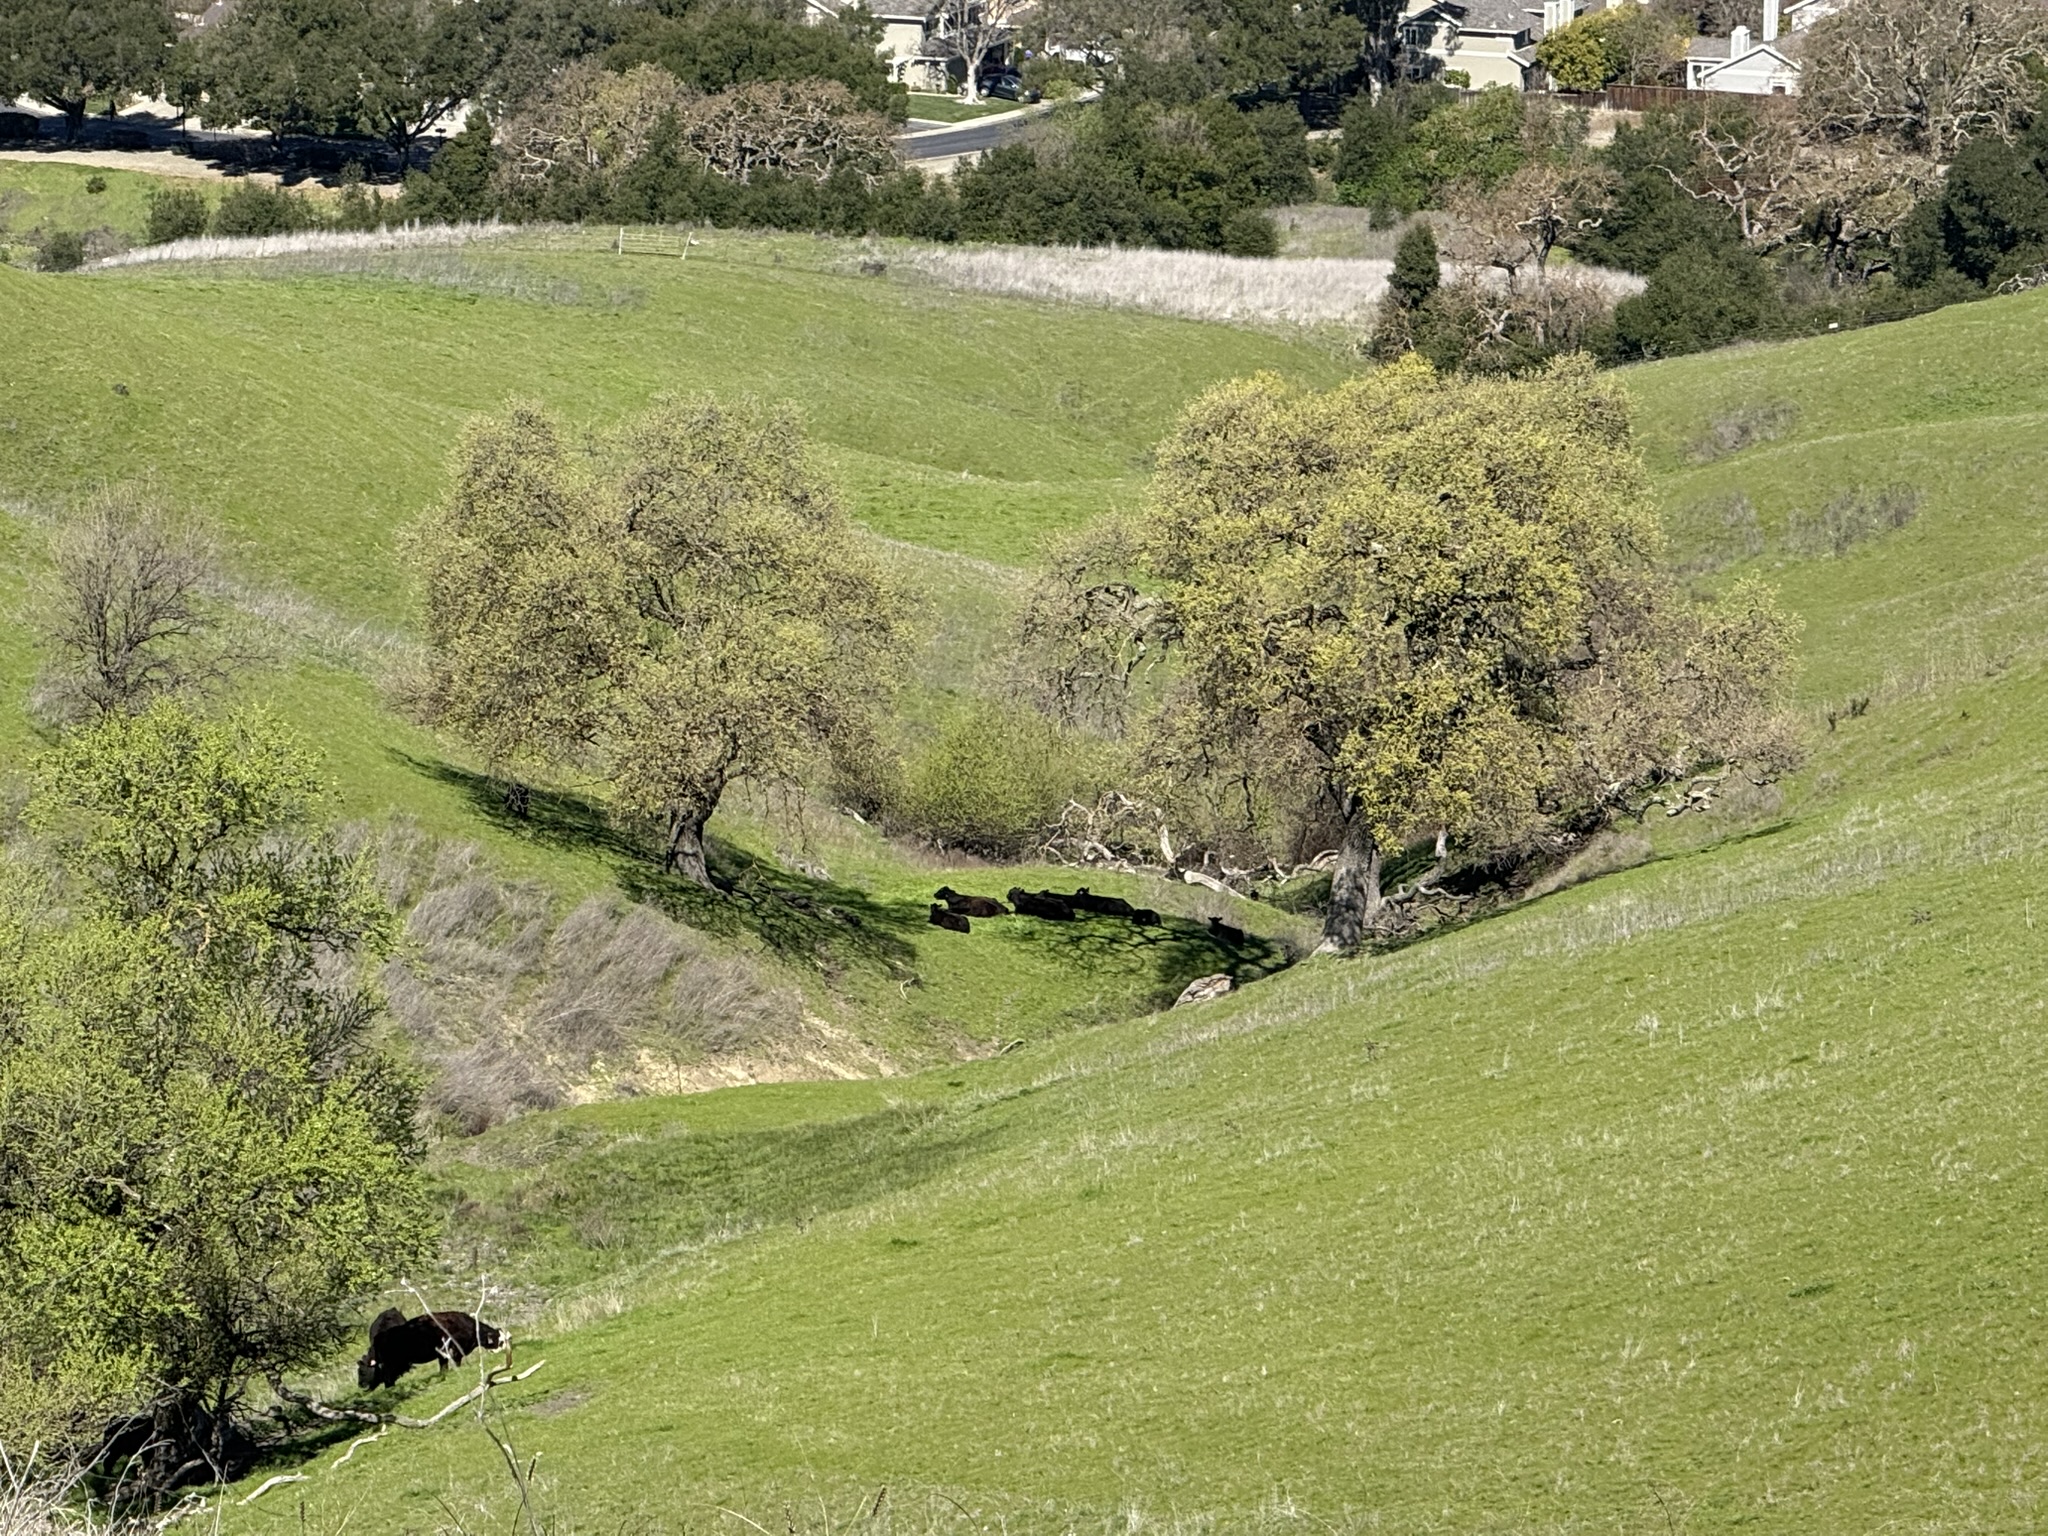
x: 953, y: 922
x: 398, y: 1343
x: 1045, y: 904
x: 1145, y: 917
x: 971, y: 906
x: 1105, y: 906
x: 1224, y: 933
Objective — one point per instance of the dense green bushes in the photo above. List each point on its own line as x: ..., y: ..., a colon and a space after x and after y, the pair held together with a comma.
x: 992, y: 782
x: 1402, y: 151
x: 1127, y: 171
x: 205, y: 1156
x: 1989, y: 222
x: 727, y: 46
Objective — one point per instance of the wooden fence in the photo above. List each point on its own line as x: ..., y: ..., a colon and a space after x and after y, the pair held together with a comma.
x: 1638, y: 98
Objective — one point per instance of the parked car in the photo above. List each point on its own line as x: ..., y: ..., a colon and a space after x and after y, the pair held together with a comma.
x: 1008, y: 88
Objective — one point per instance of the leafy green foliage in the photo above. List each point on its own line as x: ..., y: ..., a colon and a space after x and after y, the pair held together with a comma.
x: 389, y: 67
x: 698, y: 616
x: 1700, y: 296
x: 1415, y: 604
x: 1989, y: 222
x: 1418, y: 270
x: 177, y: 213
x: 1406, y: 159
x: 63, y: 251
x: 993, y: 782
x: 727, y: 45
x: 255, y: 209
x: 456, y: 186
x: 203, y: 1158
x: 1647, y: 215
x: 64, y: 54
x: 1636, y: 42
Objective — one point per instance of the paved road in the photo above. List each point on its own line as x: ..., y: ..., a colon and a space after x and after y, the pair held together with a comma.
x: 969, y: 137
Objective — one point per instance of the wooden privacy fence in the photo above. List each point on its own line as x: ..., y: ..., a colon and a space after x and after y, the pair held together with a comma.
x: 1638, y: 98
x: 654, y: 242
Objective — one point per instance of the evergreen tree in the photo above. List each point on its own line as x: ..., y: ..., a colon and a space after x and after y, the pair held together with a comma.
x: 1418, y: 271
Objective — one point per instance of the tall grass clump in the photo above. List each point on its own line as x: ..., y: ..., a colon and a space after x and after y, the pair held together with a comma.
x: 310, y: 242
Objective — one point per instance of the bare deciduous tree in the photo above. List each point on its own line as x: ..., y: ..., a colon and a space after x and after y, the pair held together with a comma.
x: 1858, y: 194
x: 1749, y: 164
x: 977, y: 28
x: 1521, y: 222
x: 1933, y: 73
x: 129, y: 612
x: 592, y: 119
x: 802, y: 128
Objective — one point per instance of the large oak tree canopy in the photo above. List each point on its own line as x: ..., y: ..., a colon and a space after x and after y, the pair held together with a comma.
x: 1413, y: 605
x: 683, y: 608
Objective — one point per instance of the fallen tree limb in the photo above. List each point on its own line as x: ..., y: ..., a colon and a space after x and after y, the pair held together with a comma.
x: 270, y: 1483
x: 504, y: 1375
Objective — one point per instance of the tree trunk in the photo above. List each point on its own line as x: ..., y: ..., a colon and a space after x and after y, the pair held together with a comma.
x: 685, y: 854
x: 1354, y: 889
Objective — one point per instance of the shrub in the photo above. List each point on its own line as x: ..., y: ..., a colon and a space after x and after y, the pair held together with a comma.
x: 1418, y: 270
x: 254, y: 209
x: 63, y: 251
x: 456, y: 186
x: 95, y: 185
x: 992, y: 782
x: 176, y: 213
x: 207, y: 1156
x: 1698, y: 297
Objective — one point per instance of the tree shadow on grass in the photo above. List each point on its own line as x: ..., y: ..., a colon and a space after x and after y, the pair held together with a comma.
x: 808, y: 921
x: 1174, y: 953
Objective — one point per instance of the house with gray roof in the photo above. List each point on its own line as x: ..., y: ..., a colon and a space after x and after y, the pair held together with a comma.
x: 1744, y: 65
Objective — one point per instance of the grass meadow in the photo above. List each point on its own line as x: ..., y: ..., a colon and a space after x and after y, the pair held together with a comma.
x: 1699, y: 1196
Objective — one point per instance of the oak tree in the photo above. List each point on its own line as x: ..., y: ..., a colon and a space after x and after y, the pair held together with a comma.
x: 1424, y: 606
x: 205, y: 1157
x: 684, y: 608
x: 66, y: 52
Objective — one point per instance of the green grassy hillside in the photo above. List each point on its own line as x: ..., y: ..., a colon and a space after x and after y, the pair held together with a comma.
x: 1697, y: 1197
x: 1704, y: 1196
x: 310, y: 412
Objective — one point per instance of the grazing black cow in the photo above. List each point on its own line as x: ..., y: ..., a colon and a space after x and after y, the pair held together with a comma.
x: 971, y: 906
x: 1145, y: 917
x: 953, y: 922
x: 1224, y: 933
x: 1045, y: 904
x: 398, y: 1343
x: 1105, y: 906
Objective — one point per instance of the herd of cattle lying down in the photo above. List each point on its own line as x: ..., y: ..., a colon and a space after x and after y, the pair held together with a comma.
x: 953, y: 910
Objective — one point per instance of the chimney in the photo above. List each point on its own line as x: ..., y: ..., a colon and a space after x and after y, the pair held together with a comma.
x: 1738, y: 42
x: 1770, y: 21
x: 1557, y: 14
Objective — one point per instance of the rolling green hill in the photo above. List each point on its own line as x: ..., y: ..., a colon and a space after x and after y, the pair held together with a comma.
x: 1699, y: 1196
